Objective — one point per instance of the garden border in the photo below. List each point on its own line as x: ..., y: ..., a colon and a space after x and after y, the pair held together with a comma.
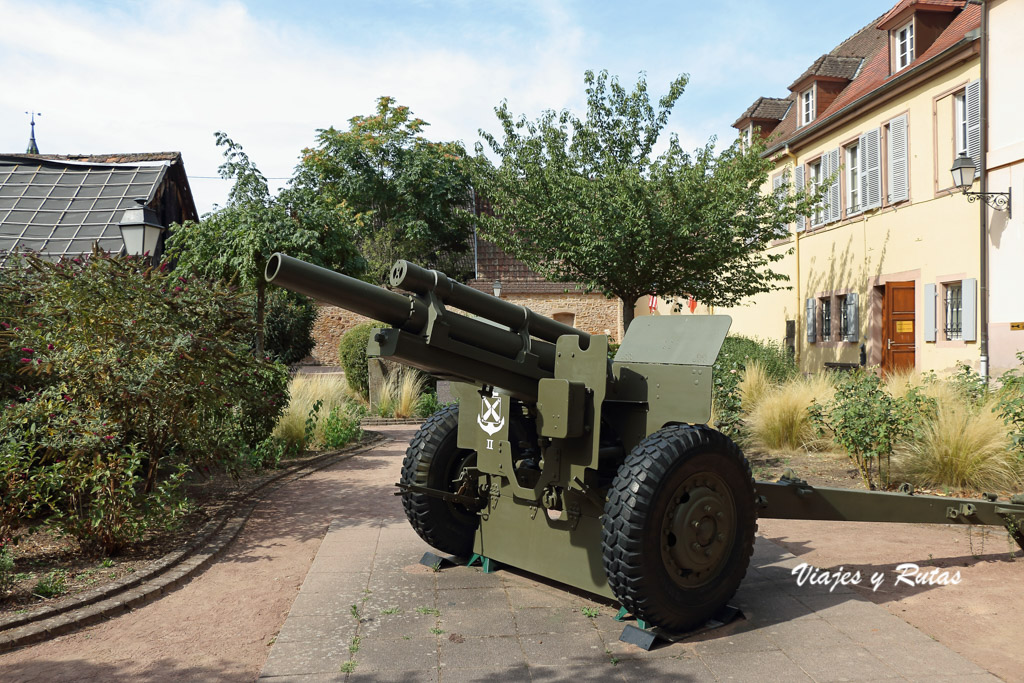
x: 170, y: 571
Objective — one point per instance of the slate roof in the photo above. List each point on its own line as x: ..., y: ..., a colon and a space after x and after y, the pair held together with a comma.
x: 870, y: 47
x: 832, y: 66
x: 766, y: 108
x: 61, y: 204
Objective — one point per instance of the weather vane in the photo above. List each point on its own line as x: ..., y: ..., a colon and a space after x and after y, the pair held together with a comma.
x: 33, y: 148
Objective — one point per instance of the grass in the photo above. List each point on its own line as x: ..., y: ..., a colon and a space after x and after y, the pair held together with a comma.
x: 591, y: 612
x: 960, y: 447
x: 401, y: 393
x: 754, y: 386
x: 428, y: 610
x: 305, y: 391
x: 53, y: 584
x: 780, y: 422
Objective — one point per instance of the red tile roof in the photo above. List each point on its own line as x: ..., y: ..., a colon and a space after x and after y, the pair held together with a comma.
x: 872, y: 44
x: 941, y: 5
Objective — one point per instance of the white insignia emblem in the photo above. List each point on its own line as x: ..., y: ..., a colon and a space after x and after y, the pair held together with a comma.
x: 490, y: 418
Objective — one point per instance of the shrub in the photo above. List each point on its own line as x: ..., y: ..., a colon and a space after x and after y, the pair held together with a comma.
x: 124, y: 369
x: 727, y: 371
x: 867, y: 422
x: 428, y: 404
x: 6, y: 567
x: 352, y: 357
x: 341, y: 426
x: 781, y: 421
x: 960, y: 446
x: 288, y: 336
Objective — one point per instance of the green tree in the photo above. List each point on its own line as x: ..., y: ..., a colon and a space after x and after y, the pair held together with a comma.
x: 235, y: 241
x: 413, y: 195
x: 584, y: 201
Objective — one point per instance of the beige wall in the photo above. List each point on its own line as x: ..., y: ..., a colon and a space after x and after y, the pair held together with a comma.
x: 931, y: 238
x: 591, y: 313
x: 1005, y: 163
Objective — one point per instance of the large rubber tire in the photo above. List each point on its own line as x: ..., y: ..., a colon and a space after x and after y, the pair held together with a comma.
x: 678, y: 526
x: 434, y: 460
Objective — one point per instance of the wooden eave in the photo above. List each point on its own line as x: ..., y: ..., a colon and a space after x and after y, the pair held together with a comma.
x: 904, y: 17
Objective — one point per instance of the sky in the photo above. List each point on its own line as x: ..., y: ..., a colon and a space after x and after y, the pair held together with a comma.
x: 134, y: 76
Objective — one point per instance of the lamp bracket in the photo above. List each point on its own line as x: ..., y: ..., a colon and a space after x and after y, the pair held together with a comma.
x: 1000, y: 201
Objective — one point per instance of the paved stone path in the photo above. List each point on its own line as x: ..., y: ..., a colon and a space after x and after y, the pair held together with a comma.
x: 366, y: 605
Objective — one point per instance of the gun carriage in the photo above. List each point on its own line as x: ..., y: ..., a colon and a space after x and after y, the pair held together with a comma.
x: 598, y: 473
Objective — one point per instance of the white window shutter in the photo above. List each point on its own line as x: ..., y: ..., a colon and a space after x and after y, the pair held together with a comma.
x: 930, y: 330
x: 899, y: 186
x: 869, y: 149
x: 969, y: 315
x: 834, y: 197
x: 852, y: 318
x: 798, y: 181
x: 973, y: 96
x: 812, y: 319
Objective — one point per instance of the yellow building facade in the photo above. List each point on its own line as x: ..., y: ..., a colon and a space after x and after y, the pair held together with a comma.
x: 886, y: 271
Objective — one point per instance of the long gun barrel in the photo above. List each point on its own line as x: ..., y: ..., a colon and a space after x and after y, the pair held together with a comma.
x: 427, y: 335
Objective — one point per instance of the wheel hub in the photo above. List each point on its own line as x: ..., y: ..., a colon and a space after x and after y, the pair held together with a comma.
x: 698, y: 530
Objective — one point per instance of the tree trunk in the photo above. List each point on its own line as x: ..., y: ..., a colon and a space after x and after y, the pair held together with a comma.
x: 627, y: 313
x: 261, y: 303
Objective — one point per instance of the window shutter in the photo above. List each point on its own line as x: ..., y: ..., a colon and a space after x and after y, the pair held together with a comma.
x: 798, y: 181
x: 973, y: 96
x: 833, y: 189
x: 969, y: 316
x: 899, y: 187
x: 869, y: 149
x: 930, y: 330
x: 812, y: 319
x: 852, y: 319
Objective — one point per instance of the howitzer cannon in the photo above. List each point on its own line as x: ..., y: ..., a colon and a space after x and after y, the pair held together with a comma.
x: 601, y: 474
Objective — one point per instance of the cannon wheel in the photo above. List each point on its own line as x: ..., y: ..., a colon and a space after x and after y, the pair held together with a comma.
x: 679, y: 526
x: 433, y: 460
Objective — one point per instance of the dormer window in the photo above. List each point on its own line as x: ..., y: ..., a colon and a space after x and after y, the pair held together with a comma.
x: 748, y: 135
x: 807, y: 111
x: 905, y: 46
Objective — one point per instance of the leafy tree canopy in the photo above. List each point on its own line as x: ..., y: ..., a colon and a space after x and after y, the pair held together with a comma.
x: 582, y: 200
x: 235, y: 241
x: 412, y: 196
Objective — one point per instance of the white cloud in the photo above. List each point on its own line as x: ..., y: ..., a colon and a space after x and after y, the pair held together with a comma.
x: 165, y: 76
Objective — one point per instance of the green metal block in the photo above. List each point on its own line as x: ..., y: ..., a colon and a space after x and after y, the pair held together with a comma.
x: 560, y: 408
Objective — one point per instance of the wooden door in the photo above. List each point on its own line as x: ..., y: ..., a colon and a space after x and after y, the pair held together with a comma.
x: 898, y: 327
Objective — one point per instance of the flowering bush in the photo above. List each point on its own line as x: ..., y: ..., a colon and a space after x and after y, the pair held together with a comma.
x: 118, y: 375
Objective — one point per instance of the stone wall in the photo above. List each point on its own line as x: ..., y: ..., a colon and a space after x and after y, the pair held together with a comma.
x: 592, y: 313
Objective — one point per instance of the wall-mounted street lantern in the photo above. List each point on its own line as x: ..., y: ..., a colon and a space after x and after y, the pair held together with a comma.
x: 963, y: 177
x: 497, y: 288
x: 140, y: 229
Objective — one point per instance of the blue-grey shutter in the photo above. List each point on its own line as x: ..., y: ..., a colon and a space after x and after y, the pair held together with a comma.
x: 834, y: 197
x: 798, y: 181
x: 930, y: 330
x: 869, y: 149
x: 969, y: 316
x: 973, y: 96
x: 899, y: 186
x: 812, y: 319
x: 852, y: 318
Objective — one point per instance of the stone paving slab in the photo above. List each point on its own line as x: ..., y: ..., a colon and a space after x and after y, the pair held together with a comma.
x: 369, y: 611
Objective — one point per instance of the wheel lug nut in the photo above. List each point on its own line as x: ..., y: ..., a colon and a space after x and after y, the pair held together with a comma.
x: 696, y: 524
x: 720, y: 537
x: 719, y: 515
x: 695, y: 546
x: 707, y: 553
x: 707, y: 508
